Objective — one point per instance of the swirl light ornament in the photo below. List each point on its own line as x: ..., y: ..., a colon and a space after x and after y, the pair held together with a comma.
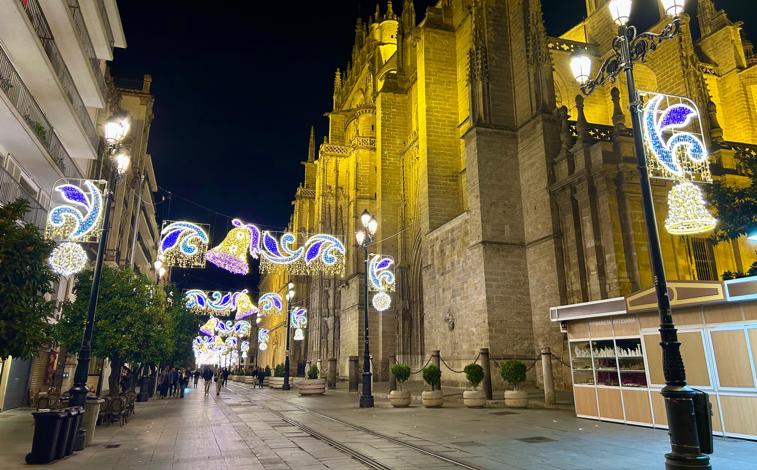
x: 213, y: 303
x: 321, y: 253
x: 299, y: 320
x: 67, y: 259
x: 381, y: 301
x: 241, y: 328
x: 224, y: 328
x: 183, y: 244
x: 381, y: 273
x: 270, y: 302
x: 231, y: 253
x: 245, y: 346
x: 79, y: 213
x: 672, y: 132
x: 687, y: 213
x: 263, y: 339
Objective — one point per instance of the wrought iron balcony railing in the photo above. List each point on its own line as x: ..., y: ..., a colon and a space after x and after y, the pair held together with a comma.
x: 45, y: 35
x: 10, y: 190
x: 12, y: 87
x: 86, y: 43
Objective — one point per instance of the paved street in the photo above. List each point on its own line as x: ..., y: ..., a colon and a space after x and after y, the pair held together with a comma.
x: 271, y: 429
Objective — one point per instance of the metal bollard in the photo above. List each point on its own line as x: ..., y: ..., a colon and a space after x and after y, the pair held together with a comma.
x: 487, y: 372
x: 392, y: 378
x: 331, y: 375
x: 354, y: 374
x: 549, y: 383
x: 435, y: 359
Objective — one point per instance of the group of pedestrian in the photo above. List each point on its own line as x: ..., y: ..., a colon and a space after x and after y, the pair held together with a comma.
x: 172, y: 382
x: 213, y: 374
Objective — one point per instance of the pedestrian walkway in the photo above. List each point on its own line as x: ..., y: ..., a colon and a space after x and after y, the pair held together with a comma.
x: 249, y: 428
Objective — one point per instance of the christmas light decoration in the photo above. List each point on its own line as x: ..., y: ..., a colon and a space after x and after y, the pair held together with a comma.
x: 241, y: 328
x: 270, y: 302
x: 224, y: 328
x: 214, y: 303
x: 299, y: 320
x: 183, y: 244
x: 245, y: 346
x: 68, y: 258
x: 299, y: 334
x: 244, y: 306
x: 78, y: 214
x: 381, y: 301
x: 209, y: 327
x: 321, y: 253
x: 672, y: 132
x: 687, y: 213
x: 263, y: 338
x: 231, y: 254
x: 380, y: 273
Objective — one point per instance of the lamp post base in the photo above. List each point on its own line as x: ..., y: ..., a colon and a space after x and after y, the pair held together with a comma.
x: 366, y: 401
x: 366, y: 397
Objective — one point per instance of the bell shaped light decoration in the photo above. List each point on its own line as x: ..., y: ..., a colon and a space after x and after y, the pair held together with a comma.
x: 231, y: 254
x: 687, y: 213
x: 299, y: 335
x: 245, y: 307
x: 209, y: 327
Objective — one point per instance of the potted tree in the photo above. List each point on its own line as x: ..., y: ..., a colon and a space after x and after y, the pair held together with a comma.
x: 474, y: 398
x: 248, y: 379
x: 400, y: 398
x: 277, y: 381
x: 267, y: 376
x: 312, y: 385
x: 514, y: 373
x: 432, y: 375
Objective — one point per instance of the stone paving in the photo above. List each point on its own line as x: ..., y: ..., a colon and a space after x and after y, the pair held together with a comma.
x: 271, y: 429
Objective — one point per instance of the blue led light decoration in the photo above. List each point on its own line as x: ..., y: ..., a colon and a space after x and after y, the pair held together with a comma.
x: 299, y: 320
x: 270, y: 303
x: 183, y: 244
x: 76, y: 212
x: 319, y: 254
x: 215, y: 302
x: 381, y: 273
x: 263, y: 338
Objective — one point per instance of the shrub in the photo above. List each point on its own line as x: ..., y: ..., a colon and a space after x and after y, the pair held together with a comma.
x: 278, y: 371
x: 474, y: 373
x: 514, y: 372
x: 432, y: 375
x: 401, y: 372
x: 313, y: 372
x: 267, y: 371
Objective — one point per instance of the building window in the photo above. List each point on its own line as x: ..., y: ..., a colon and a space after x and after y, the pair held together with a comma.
x: 704, y: 259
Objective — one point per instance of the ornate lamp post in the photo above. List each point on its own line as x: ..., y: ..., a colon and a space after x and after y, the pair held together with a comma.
x: 289, y: 297
x: 629, y: 47
x: 116, y: 130
x: 364, y: 238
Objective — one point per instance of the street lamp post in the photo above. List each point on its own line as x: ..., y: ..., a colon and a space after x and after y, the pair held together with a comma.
x: 630, y: 47
x: 115, y: 132
x: 364, y: 238
x: 289, y: 297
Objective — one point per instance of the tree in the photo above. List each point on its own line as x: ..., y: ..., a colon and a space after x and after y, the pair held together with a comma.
x: 736, y: 205
x: 131, y: 324
x: 184, y: 329
x: 26, y: 284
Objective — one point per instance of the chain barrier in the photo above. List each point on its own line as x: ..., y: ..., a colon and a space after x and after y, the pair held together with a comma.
x: 450, y: 368
x: 424, y: 366
x: 558, y: 359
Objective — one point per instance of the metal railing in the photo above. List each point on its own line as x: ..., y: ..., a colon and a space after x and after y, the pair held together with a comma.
x: 34, y: 12
x: 10, y: 190
x: 86, y: 42
x: 12, y: 87
x: 104, y: 15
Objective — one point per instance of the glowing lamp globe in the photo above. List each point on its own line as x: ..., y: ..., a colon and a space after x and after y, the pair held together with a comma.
x: 372, y: 226
x: 121, y: 160
x: 580, y: 65
x: 360, y: 237
x: 115, y: 130
x: 673, y: 7
x: 620, y: 10
x: 365, y: 217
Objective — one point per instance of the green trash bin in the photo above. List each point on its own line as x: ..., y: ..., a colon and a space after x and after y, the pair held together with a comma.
x: 47, y: 424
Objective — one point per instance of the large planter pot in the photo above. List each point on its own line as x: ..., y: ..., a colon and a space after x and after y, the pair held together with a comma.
x: 432, y: 399
x: 266, y: 381
x: 276, y: 382
x: 312, y: 386
x: 474, y: 398
x: 248, y: 379
x: 399, y: 398
x: 516, y: 398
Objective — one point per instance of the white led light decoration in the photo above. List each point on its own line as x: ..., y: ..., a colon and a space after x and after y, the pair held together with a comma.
x: 381, y: 301
x: 263, y: 338
x: 183, y: 244
x: 76, y: 212
x: 381, y: 273
x: 68, y: 258
x: 270, y: 302
x: 687, y: 213
x: 319, y: 254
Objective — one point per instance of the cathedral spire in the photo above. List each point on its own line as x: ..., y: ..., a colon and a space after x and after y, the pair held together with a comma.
x: 408, y: 16
x: 705, y: 14
x: 390, y: 11
x: 359, y: 33
x: 377, y: 15
x: 311, y: 145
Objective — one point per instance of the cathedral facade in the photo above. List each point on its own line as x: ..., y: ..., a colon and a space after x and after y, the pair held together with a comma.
x: 498, y: 190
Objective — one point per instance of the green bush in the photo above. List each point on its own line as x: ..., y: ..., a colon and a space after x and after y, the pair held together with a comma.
x: 432, y: 375
x: 278, y: 371
x: 267, y: 372
x: 401, y: 372
x: 514, y: 372
x: 474, y: 373
x: 313, y: 372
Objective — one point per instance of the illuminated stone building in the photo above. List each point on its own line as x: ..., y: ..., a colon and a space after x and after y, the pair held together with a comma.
x: 498, y: 192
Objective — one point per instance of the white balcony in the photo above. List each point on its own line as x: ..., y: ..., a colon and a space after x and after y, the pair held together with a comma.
x: 98, y: 25
x: 31, y: 48
x: 72, y: 37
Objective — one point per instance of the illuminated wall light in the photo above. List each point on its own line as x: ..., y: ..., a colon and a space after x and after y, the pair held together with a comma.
x: 183, y: 244
x: 67, y: 259
x: 381, y: 301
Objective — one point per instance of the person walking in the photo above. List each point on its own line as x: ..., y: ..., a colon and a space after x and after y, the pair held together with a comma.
x: 163, y: 387
x: 173, y: 382
x: 219, y: 380
x: 207, y: 376
x: 197, y: 375
x: 183, y: 381
x: 255, y: 377
x: 225, y: 375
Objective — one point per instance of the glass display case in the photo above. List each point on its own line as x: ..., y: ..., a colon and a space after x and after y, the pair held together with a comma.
x: 583, y: 372
x: 612, y: 363
x: 631, y: 362
x: 605, y: 363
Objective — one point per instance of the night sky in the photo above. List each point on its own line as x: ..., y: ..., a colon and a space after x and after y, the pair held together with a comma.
x: 237, y: 86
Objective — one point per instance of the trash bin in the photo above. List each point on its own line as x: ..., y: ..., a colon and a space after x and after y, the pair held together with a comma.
x: 47, y: 424
x: 77, y: 413
x: 65, y: 431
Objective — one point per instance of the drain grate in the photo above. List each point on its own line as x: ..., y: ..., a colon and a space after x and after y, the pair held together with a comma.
x: 112, y: 446
x: 503, y: 413
x: 535, y: 439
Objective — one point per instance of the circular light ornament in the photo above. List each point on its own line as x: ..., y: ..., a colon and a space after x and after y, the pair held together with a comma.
x: 381, y: 301
x: 68, y: 258
x: 263, y: 346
